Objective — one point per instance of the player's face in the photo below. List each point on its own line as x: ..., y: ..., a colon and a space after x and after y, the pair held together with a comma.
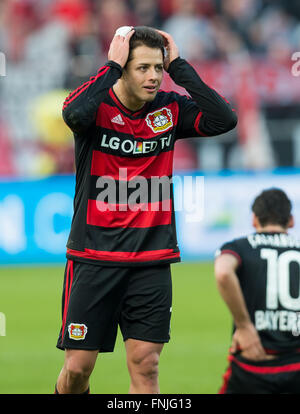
x: 143, y: 74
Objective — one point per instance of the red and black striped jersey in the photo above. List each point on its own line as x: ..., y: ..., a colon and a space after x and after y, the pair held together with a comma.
x: 123, y: 205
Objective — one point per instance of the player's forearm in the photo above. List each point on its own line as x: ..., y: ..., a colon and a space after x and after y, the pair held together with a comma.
x: 81, y: 106
x: 230, y: 290
x: 218, y: 116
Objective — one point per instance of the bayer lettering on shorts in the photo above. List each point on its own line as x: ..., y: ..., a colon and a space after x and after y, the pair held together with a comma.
x: 77, y: 331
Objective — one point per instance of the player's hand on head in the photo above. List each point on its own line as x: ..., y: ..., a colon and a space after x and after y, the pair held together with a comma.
x: 171, y: 49
x: 119, y: 48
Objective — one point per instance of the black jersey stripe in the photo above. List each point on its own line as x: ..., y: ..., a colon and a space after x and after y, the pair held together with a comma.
x: 118, y: 167
x: 127, y: 146
x: 130, y: 239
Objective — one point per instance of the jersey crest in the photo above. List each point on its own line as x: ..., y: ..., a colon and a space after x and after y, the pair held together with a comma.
x: 160, y: 120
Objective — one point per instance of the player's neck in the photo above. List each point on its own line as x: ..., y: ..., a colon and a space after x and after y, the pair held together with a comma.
x: 271, y: 228
x: 126, y: 100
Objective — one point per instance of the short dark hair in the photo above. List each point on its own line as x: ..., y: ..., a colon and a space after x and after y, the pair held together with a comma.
x: 272, y: 206
x: 148, y: 36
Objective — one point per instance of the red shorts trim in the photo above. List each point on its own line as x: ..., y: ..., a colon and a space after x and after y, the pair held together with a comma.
x: 69, y: 281
x: 226, y: 378
x: 266, y: 370
x: 129, y: 257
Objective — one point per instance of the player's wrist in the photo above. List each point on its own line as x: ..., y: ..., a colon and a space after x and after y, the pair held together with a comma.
x: 173, y: 63
x: 115, y: 64
x: 243, y: 324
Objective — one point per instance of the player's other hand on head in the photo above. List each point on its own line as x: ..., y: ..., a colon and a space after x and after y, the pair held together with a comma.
x: 171, y: 49
x: 119, y: 48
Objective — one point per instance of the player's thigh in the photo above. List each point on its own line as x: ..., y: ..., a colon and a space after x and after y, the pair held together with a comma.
x: 146, y: 309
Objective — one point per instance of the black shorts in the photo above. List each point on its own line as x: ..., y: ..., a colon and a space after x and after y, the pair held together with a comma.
x: 96, y: 300
x: 276, y: 376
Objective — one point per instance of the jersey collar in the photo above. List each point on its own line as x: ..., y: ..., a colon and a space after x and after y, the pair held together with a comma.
x: 123, y: 108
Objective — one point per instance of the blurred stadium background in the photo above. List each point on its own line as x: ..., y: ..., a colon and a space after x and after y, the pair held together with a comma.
x: 242, y: 48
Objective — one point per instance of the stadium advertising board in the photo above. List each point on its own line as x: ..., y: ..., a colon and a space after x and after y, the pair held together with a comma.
x: 227, y: 209
x: 35, y: 215
x: 35, y: 218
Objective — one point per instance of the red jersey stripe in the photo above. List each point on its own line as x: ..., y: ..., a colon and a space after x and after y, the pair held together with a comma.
x: 266, y: 370
x: 78, y: 89
x: 108, y: 215
x: 139, y: 128
x: 233, y: 253
x: 125, y: 256
x: 196, y: 124
x: 82, y: 89
x: 84, y: 84
x: 147, y: 167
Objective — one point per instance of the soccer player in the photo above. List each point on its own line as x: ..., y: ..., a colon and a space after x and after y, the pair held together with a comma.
x: 258, y: 278
x: 121, y: 245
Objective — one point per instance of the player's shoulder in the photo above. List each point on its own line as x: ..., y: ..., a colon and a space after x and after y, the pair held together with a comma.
x: 237, y: 247
x: 170, y: 96
x: 235, y: 243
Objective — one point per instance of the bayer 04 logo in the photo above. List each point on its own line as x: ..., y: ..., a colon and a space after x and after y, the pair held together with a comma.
x: 160, y: 120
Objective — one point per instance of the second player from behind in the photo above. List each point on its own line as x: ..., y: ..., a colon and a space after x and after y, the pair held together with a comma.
x: 258, y: 278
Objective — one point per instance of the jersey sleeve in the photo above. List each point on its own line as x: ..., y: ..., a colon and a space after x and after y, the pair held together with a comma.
x: 80, y: 107
x: 205, y: 113
x: 230, y: 248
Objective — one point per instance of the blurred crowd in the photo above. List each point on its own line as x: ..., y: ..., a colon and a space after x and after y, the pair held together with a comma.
x: 51, y: 46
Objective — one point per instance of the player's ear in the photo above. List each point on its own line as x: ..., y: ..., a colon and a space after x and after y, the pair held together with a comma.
x: 291, y: 222
x: 255, y: 222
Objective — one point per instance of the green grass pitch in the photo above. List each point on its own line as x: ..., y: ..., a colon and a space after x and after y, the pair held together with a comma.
x: 193, y: 362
